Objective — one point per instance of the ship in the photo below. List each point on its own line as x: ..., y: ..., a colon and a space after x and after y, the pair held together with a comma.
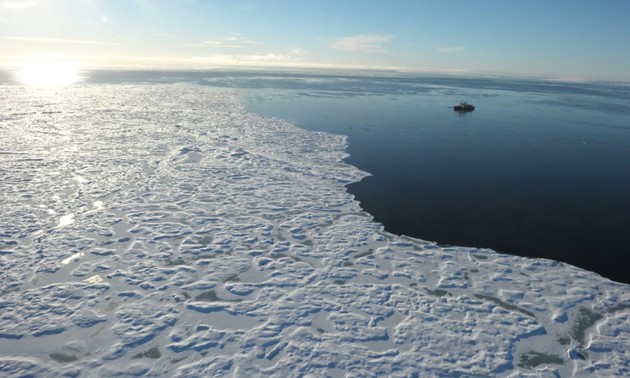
x: 464, y: 107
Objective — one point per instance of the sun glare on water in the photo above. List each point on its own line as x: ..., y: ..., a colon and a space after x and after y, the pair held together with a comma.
x: 47, y: 73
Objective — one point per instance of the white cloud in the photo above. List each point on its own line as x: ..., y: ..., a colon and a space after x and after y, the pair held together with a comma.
x: 449, y: 50
x: 364, y: 43
x: 16, y: 4
x: 217, y: 44
x: 291, y: 58
x: 232, y: 41
x: 58, y: 40
x: 258, y: 59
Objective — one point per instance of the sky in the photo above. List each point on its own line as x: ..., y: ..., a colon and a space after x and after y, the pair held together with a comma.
x: 572, y: 39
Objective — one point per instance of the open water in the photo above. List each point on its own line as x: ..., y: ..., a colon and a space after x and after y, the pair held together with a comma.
x: 539, y: 169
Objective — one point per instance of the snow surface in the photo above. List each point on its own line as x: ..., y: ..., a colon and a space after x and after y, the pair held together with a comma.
x: 161, y: 230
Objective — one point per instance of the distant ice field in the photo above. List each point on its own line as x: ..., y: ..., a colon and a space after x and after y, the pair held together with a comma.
x: 163, y: 230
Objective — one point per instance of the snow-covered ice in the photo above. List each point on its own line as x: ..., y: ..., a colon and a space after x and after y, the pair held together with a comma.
x: 162, y: 230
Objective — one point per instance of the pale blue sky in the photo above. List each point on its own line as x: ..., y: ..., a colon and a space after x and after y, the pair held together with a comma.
x: 572, y: 39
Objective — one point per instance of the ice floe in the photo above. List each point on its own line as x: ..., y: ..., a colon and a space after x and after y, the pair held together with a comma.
x: 162, y: 230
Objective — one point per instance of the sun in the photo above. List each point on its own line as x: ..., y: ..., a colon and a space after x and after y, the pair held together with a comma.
x: 47, y: 73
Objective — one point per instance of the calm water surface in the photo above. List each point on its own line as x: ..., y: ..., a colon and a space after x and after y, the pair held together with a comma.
x: 538, y: 169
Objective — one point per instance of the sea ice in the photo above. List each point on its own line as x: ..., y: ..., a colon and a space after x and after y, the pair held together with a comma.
x: 197, y: 239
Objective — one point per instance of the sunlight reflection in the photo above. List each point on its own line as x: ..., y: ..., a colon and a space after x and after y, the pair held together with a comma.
x: 47, y: 73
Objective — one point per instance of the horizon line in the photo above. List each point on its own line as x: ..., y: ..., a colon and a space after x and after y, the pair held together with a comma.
x: 337, y: 67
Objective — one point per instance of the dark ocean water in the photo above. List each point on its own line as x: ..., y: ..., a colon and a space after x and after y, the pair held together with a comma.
x: 539, y: 169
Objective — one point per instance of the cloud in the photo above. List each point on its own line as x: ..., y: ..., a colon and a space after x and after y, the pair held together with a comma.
x: 15, y: 4
x: 232, y: 41
x: 257, y: 59
x: 364, y: 43
x: 58, y: 40
x: 450, y: 50
x: 217, y: 44
x: 292, y: 57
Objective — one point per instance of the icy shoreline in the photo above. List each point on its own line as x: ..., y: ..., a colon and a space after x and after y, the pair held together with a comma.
x: 161, y: 230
